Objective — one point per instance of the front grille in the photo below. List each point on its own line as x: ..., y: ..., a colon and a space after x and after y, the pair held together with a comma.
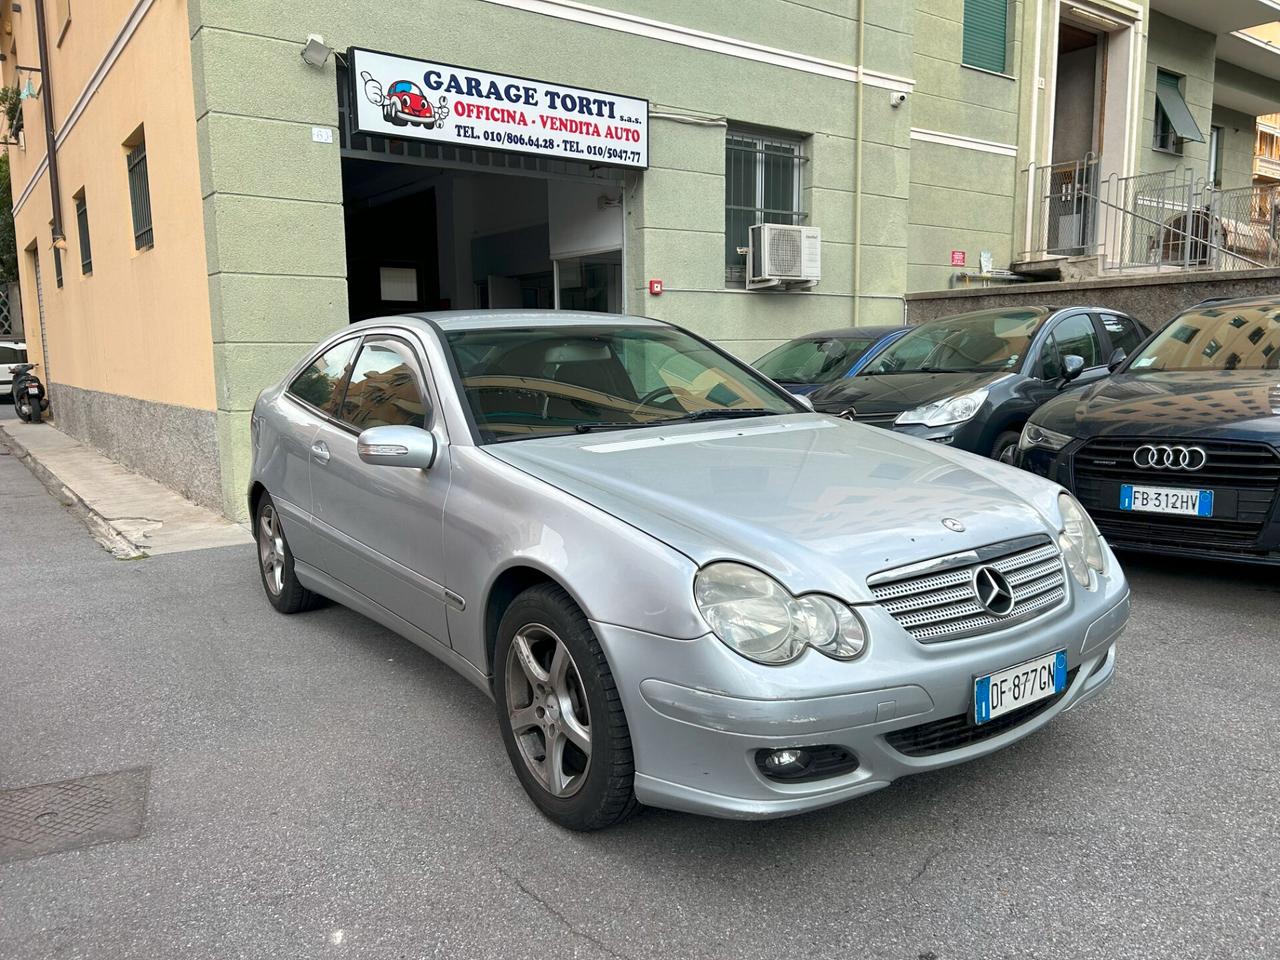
x: 936, y: 600
x: 1243, y: 476
x: 872, y: 419
x: 952, y: 733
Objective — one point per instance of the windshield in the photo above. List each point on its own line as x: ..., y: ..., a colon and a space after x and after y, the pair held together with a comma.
x: 990, y: 340
x: 1229, y: 338
x: 547, y: 381
x: 813, y: 361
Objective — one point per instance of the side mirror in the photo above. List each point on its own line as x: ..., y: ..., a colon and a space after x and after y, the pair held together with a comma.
x: 397, y: 447
x: 1118, y: 356
x: 1072, y: 367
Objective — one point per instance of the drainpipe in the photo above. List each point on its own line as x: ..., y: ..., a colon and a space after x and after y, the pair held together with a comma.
x: 857, y: 167
x: 1035, y: 128
x: 46, y: 99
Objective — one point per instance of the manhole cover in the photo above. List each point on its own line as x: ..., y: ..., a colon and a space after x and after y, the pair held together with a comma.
x: 53, y: 817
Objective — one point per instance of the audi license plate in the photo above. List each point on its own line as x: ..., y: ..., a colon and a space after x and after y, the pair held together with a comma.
x: 1014, y: 687
x: 1175, y: 500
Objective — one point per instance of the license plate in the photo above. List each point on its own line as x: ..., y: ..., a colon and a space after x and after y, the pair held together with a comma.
x: 33, y: 390
x: 1176, y: 500
x: 1014, y: 687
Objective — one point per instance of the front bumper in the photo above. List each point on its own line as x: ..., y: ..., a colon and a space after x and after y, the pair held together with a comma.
x: 698, y: 713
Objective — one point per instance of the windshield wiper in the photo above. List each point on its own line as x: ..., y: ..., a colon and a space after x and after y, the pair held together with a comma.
x: 726, y: 413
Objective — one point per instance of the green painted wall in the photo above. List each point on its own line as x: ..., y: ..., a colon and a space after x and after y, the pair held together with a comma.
x: 1237, y: 146
x: 1181, y: 49
x: 960, y: 199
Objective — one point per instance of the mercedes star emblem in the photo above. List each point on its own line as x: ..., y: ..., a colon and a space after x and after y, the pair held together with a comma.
x: 1154, y: 456
x: 992, y: 591
x: 955, y: 526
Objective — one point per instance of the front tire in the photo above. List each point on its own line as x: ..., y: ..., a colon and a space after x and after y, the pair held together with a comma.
x: 1006, y: 447
x: 560, y: 713
x: 275, y: 562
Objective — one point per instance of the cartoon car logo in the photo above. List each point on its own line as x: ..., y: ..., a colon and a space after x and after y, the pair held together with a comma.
x: 404, y: 103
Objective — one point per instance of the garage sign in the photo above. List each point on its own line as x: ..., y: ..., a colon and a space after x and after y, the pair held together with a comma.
x: 426, y: 100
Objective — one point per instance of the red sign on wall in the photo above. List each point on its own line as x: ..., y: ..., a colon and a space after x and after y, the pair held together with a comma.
x: 655, y: 288
x: 957, y: 258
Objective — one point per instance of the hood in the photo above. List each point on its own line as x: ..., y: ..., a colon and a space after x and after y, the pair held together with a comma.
x: 1171, y: 404
x: 798, y: 389
x: 898, y: 392
x: 817, y: 502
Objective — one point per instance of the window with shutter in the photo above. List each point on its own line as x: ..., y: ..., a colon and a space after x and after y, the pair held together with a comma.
x: 986, y: 34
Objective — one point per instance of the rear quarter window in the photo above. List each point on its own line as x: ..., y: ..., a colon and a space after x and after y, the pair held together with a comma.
x: 319, y: 384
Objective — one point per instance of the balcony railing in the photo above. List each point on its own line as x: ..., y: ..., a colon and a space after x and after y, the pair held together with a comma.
x: 1152, y: 222
x: 1266, y: 167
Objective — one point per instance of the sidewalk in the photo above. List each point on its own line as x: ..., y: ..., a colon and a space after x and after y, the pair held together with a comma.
x: 128, y: 514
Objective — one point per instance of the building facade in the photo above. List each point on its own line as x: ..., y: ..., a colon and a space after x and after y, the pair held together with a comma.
x: 224, y: 202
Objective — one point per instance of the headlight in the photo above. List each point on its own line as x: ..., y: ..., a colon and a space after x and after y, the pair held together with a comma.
x: 1080, y: 542
x: 942, y: 412
x: 1034, y: 435
x: 755, y: 616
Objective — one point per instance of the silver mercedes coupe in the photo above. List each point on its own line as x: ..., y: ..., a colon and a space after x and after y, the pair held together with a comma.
x: 679, y: 586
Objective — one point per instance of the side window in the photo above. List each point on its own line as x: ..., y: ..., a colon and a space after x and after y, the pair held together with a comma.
x: 1077, y: 335
x: 385, y: 388
x: 1124, y: 332
x: 1050, y: 360
x: 318, y: 385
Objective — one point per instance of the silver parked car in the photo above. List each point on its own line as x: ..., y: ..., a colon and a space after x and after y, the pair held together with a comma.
x: 680, y: 587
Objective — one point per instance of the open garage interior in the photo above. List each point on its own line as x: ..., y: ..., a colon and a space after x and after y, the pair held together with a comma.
x: 426, y: 237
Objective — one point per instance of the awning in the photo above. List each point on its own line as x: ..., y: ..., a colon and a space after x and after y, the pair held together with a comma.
x: 1175, y: 108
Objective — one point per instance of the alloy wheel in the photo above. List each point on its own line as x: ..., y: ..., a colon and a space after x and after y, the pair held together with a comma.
x: 547, y: 710
x: 271, y: 549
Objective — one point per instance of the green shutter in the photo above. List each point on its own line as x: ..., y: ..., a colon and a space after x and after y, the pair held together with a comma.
x: 986, y: 33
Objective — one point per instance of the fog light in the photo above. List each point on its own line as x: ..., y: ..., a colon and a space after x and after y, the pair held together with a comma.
x: 805, y: 764
x: 784, y: 762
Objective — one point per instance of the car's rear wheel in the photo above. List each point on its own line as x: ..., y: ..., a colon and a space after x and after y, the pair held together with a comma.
x: 1006, y: 447
x: 275, y: 562
x: 560, y: 713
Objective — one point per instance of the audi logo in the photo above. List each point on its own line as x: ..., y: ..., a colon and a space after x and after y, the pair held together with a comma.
x: 1157, y: 456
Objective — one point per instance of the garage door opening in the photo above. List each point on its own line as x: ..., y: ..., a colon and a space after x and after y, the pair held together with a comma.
x: 437, y: 227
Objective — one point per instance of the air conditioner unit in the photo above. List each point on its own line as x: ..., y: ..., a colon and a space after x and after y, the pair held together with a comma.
x: 782, y: 255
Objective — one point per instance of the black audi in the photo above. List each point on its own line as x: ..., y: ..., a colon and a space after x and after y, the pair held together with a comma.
x: 1178, y: 452
x: 972, y: 380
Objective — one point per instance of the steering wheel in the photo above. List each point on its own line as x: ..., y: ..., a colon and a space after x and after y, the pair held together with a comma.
x: 654, y: 394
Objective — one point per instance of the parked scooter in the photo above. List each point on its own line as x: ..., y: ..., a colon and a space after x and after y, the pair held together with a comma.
x: 28, y: 393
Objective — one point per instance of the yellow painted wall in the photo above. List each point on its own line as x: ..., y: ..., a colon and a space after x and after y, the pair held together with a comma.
x: 139, y: 325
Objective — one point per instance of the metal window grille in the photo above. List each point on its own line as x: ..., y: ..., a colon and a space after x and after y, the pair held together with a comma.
x: 82, y: 226
x: 762, y: 184
x: 140, y: 197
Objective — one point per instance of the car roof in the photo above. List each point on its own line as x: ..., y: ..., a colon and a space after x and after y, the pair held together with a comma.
x: 14, y: 343
x: 1215, y: 303
x: 466, y: 320
x: 876, y: 331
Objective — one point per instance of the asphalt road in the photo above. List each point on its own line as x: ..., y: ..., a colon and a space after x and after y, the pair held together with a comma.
x: 320, y: 787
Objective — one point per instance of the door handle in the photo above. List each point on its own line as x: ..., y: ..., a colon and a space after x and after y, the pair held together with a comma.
x: 320, y: 451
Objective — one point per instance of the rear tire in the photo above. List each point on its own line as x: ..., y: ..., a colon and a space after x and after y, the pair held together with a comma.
x: 554, y: 692
x: 275, y: 562
x: 1006, y: 447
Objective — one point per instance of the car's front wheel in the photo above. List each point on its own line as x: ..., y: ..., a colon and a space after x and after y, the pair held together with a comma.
x: 275, y: 562
x: 1006, y: 447
x: 560, y: 713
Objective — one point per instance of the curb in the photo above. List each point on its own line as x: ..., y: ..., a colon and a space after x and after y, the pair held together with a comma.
x: 109, y: 536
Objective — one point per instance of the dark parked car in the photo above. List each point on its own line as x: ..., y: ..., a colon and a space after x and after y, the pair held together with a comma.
x: 1179, y: 451
x: 807, y: 363
x: 973, y: 380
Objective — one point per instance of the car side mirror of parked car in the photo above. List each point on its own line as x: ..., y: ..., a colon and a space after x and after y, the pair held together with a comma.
x: 1118, y: 356
x: 397, y: 447
x: 1072, y: 367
